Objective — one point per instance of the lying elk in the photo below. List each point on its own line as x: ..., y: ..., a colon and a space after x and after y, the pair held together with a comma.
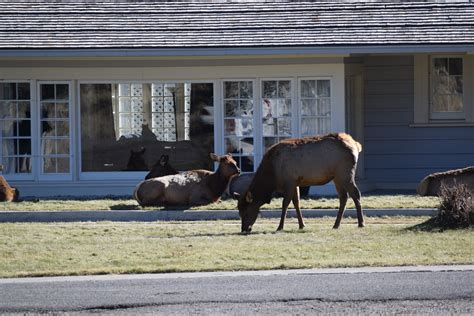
x: 195, y: 187
x: 8, y: 193
x: 161, y: 168
x: 303, y: 162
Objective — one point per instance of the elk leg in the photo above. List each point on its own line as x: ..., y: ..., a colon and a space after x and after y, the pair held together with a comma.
x: 287, y: 197
x: 355, y: 195
x: 342, y: 205
x: 296, y: 203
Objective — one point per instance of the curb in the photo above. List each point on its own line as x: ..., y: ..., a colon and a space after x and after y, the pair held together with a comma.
x: 185, y: 215
x: 193, y: 275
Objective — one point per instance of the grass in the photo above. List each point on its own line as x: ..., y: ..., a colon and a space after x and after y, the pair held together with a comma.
x: 368, y: 202
x: 39, y: 249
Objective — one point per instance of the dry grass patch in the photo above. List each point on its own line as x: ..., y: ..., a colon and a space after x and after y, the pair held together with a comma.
x: 38, y: 249
x: 368, y: 202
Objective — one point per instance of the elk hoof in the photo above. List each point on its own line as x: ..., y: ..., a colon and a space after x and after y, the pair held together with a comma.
x: 279, y: 229
x: 302, y: 226
x: 361, y: 225
x: 335, y: 226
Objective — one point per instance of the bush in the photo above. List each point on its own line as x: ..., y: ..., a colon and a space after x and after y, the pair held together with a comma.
x: 456, y: 208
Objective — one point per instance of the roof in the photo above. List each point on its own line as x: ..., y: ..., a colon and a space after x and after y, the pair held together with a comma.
x: 157, y: 25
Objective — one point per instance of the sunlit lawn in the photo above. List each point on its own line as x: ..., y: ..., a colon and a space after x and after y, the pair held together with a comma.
x: 368, y: 202
x: 38, y: 249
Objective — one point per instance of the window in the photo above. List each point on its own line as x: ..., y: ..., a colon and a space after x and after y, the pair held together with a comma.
x: 443, y: 90
x: 276, y: 111
x: 238, y: 122
x: 152, y: 118
x: 315, y: 105
x: 55, y: 128
x: 15, y: 126
x: 446, y: 95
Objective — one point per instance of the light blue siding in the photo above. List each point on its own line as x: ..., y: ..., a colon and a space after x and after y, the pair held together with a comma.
x: 397, y: 155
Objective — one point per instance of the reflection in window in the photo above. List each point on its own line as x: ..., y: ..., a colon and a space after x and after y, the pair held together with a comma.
x: 238, y: 122
x: 315, y: 103
x: 176, y: 119
x: 447, y: 85
x: 276, y: 111
x: 15, y: 126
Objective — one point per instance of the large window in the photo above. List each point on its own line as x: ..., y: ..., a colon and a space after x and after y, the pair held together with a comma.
x: 15, y: 126
x: 119, y: 120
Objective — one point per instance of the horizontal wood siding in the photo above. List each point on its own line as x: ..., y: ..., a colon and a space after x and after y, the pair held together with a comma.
x: 397, y: 155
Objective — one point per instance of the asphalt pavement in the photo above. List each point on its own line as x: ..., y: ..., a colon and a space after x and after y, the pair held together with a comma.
x: 434, y: 290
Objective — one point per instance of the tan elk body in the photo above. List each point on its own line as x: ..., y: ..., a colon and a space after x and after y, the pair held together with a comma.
x: 8, y: 193
x: 303, y: 162
x: 195, y: 187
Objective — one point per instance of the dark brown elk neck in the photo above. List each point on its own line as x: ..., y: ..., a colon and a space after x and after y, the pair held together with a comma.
x: 217, y: 183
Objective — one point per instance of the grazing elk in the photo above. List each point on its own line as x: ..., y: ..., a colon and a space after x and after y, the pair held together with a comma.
x: 161, y: 168
x: 7, y: 193
x: 195, y: 187
x: 136, y: 162
x: 303, y: 162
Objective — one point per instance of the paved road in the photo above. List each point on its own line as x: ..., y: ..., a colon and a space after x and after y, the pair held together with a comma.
x: 269, y: 292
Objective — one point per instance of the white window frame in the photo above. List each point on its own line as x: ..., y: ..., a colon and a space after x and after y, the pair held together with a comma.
x: 133, y: 175
x: 422, y: 93
x: 72, y: 136
x: 33, y: 120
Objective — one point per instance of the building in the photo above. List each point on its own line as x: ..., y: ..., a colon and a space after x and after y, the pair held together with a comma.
x: 85, y: 85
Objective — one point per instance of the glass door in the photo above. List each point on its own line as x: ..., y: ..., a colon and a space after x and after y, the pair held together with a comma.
x: 55, y: 130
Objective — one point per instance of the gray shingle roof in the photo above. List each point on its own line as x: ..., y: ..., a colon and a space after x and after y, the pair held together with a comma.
x: 153, y: 24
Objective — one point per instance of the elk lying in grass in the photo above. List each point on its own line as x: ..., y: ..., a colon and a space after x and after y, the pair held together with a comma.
x: 7, y: 193
x: 303, y: 162
x: 161, y: 168
x: 195, y: 187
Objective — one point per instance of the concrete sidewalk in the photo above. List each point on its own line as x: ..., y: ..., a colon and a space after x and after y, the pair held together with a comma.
x: 184, y: 215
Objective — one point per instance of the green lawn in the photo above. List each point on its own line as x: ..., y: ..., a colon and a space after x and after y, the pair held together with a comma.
x: 368, y: 202
x: 40, y: 249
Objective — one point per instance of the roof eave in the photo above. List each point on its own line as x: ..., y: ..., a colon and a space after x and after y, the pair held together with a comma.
x: 237, y: 51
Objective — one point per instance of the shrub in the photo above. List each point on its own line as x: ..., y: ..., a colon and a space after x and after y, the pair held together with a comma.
x: 456, y: 208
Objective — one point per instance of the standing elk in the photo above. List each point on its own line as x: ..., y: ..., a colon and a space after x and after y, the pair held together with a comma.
x: 161, y: 168
x: 303, y: 162
x: 195, y: 187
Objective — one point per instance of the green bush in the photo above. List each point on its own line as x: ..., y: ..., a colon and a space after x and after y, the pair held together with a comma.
x: 456, y: 208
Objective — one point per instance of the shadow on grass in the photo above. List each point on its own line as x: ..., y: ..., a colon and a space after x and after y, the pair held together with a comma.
x: 433, y: 225
x: 125, y: 207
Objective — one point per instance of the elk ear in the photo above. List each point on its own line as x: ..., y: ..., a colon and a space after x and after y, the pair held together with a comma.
x: 214, y: 156
x: 163, y: 160
x: 236, y: 195
x: 249, y: 197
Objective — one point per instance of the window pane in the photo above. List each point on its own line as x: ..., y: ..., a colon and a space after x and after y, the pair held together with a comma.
x: 8, y: 91
x: 308, y: 88
x: 47, y: 91
x: 62, y: 92
x: 323, y: 88
x: 117, y: 120
x: 455, y: 66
